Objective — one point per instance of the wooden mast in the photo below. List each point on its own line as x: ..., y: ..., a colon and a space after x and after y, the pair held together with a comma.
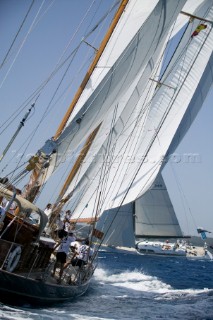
x: 91, y: 69
x: 77, y: 96
x: 60, y: 202
x: 79, y: 161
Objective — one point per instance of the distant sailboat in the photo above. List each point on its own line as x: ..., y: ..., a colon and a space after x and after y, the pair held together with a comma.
x: 150, y: 217
x: 123, y: 119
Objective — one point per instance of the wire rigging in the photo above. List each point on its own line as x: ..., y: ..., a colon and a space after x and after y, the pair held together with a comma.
x: 16, y: 36
x: 22, y: 44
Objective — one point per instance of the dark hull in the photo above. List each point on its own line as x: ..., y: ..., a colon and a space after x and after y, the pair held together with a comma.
x: 16, y: 289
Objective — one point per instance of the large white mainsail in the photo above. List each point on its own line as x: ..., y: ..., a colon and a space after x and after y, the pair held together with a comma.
x: 165, y: 114
x: 150, y: 71
x: 140, y: 28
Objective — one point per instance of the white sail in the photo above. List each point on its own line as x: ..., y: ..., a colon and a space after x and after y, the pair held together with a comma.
x: 128, y: 25
x: 118, y: 226
x: 116, y: 84
x: 165, y: 114
x: 154, y: 213
x: 150, y: 216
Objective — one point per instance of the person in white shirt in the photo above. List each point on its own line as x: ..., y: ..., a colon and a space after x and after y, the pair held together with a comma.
x: 83, y: 256
x: 62, y: 252
x: 48, y: 210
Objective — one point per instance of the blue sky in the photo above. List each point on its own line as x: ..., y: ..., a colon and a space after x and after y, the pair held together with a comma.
x: 34, y: 55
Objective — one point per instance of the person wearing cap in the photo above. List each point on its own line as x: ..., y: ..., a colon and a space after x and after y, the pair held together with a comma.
x: 62, y: 252
x: 82, y: 257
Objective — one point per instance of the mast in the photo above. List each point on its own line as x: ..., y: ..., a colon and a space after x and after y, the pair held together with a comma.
x: 78, y: 162
x: 60, y: 202
x: 92, y: 67
x: 78, y: 94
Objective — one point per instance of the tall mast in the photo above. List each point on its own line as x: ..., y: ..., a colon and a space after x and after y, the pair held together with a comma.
x: 92, y: 67
x: 60, y: 202
x: 35, y: 175
x: 78, y: 162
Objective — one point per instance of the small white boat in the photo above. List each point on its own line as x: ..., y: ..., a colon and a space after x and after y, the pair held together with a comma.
x: 161, y: 248
x: 174, y: 249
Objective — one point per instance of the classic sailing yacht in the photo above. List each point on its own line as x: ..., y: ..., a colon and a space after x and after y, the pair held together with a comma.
x: 123, y: 119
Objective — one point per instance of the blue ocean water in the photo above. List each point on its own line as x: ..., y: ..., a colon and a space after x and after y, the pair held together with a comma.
x: 128, y: 286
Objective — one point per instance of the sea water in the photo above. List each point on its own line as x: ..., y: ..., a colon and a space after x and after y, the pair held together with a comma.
x: 128, y: 286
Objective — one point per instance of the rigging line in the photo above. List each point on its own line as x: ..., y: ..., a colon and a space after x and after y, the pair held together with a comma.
x: 22, y: 44
x: 37, y: 92
x: 160, y: 125
x: 29, y: 138
x: 41, y: 87
x: 57, y: 88
x: 128, y: 139
x: 81, y: 68
x: 10, y: 48
x: 43, y: 14
x: 8, y: 174
x: 13, y: 118
x: 75, y: 33
x: 18, y: 179
x: 57, y: 68
x: 121, y: 58
x: 183, y: 198
x: 106, y: 160
x: 151, y: 84
x: 135, y: 127
x: 103, y: 169
x: 171, y: 58
x: 65, y: 74
x: 8, y: 162
x: 20, y: 126
x: 42, y: 119
x: 102, y: 178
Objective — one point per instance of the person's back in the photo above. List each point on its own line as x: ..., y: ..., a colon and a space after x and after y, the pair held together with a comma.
x: 85, y: 252
x: 65, y: 243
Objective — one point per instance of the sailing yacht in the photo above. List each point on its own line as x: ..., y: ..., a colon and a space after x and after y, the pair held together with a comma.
x: 121, y: 123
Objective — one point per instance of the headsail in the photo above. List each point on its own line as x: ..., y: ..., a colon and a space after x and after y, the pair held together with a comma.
x: 165, y: 112
x: 150, y: 216
x: 120, y: 67
x: 155, y: 215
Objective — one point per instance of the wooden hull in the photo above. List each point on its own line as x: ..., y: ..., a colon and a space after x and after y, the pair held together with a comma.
x: 16, y: 289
